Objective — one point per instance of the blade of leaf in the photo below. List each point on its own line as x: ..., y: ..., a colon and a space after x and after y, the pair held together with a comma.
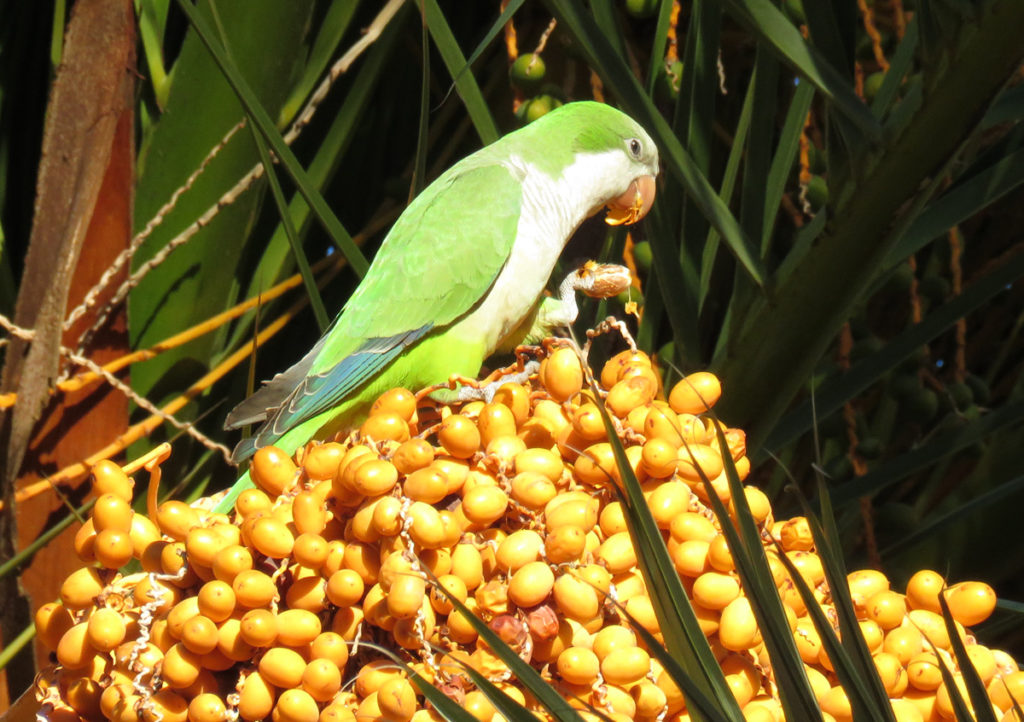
x: 465, y: 83
x: 748, y: 553
x: 982, y: 705
x: 317, y: 303
x: 785, y: 156
x: 939, y: 446
x: 268, y: 130
x: 959, y: 203
x: 833, y: 394
x: 771, y: 27
x: 680, y: 628
x: 527, y: 675
x: 330, y: 30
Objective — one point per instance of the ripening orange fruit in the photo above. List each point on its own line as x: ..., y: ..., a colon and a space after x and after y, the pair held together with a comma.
x: 272, y: 470
x: 695, y: 394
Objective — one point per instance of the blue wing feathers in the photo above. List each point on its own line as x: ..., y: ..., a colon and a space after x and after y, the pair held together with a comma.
x: 319, y: 392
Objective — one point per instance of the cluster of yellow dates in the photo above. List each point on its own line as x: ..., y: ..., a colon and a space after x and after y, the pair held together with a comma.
x: 269, y: 612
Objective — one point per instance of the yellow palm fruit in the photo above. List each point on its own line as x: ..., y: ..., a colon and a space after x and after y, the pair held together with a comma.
x: 272, y: 470
x: 808, y: 641
x: 625, y: 665
x: 904, y: 642
x: 375, y: 477
x: 52, y: 620
x: 256, y: 698
x: 742, y: 676
x: 297, y: 627
x: 578, y: 665
x: 565, y: 544
x: 74, y: 649
x: 983, y: 661
x: 80, y: 588
x: 905, y: 711
x: 181, y: 666
x: 932, y: 626
x: 113, y: 548
x: 166, y: 705
x: 695, y: 459
x: 575, y: 597
x: 207, y: 707
x: 143, y: 533
x: 611, y: 520
x: 587, y: 423
x: 406, y: 594
x: 719, y: 555
x: 282, y: 667
x: 296, y: 705
x: 695, y: 394
x: 531, y: 584
x: 971, y: 603
x: 427, y: 529
x: 467, y: 565
x: 156, y: 595
x: 385, y: 426
x: 617, y: 553
x: 893, y: 675
x: 258, y: 627
x: 1006, y: 690
x: 109, y: 478
x: 413, y: 455
x: 459, y: 436
x: 691, y: 525
x: 533, y: 490
x: 84, y: 542
x: 836, y: 703
x: 230, y: 561
x: 923, y: 590
x: 428, y: 485
x: 886, y: 608
x: 484, y: 504
x: 252, y: 501
x: 496, y: 420
x: 112, y: 511
x: 397, y: 699
x: 738, y: 631
x: 217, y: 599
x: 576, y: 508
x: 715, y: 590
x: 517, y: 549
x: 321, y: 679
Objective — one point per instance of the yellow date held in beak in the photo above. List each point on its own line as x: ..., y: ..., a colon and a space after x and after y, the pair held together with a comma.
x: 632, y: 205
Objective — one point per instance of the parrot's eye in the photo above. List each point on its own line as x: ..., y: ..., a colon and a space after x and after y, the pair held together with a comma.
x: 635, y: 147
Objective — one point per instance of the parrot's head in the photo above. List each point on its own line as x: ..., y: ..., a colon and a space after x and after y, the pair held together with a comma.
x: 614, y: 161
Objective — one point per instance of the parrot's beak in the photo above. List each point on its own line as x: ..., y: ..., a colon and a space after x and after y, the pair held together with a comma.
x: 632, y: 205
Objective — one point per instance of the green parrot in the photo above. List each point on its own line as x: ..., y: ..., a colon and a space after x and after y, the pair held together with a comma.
x: 461, y: 273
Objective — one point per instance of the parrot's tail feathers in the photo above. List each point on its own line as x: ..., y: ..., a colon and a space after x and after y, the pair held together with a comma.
x: 264, y: 401
x: 244, y: 449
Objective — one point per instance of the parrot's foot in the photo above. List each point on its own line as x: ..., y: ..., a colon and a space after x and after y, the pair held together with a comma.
x: 485, y: 392
x: 597, y: 280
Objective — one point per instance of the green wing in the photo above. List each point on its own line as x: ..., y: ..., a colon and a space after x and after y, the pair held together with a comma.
x: 438, y: 261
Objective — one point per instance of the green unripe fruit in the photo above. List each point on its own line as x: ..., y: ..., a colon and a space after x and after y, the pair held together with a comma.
x: 872, y: 84
x: 642, y: 8
x: 643, y: 256
x: 537, y: 107
x: 817, y: 192
x: 961, y: 395
x: 922, y: 405
x: 979, y: 389
x: 527, y: 72
x: 669, y: 80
